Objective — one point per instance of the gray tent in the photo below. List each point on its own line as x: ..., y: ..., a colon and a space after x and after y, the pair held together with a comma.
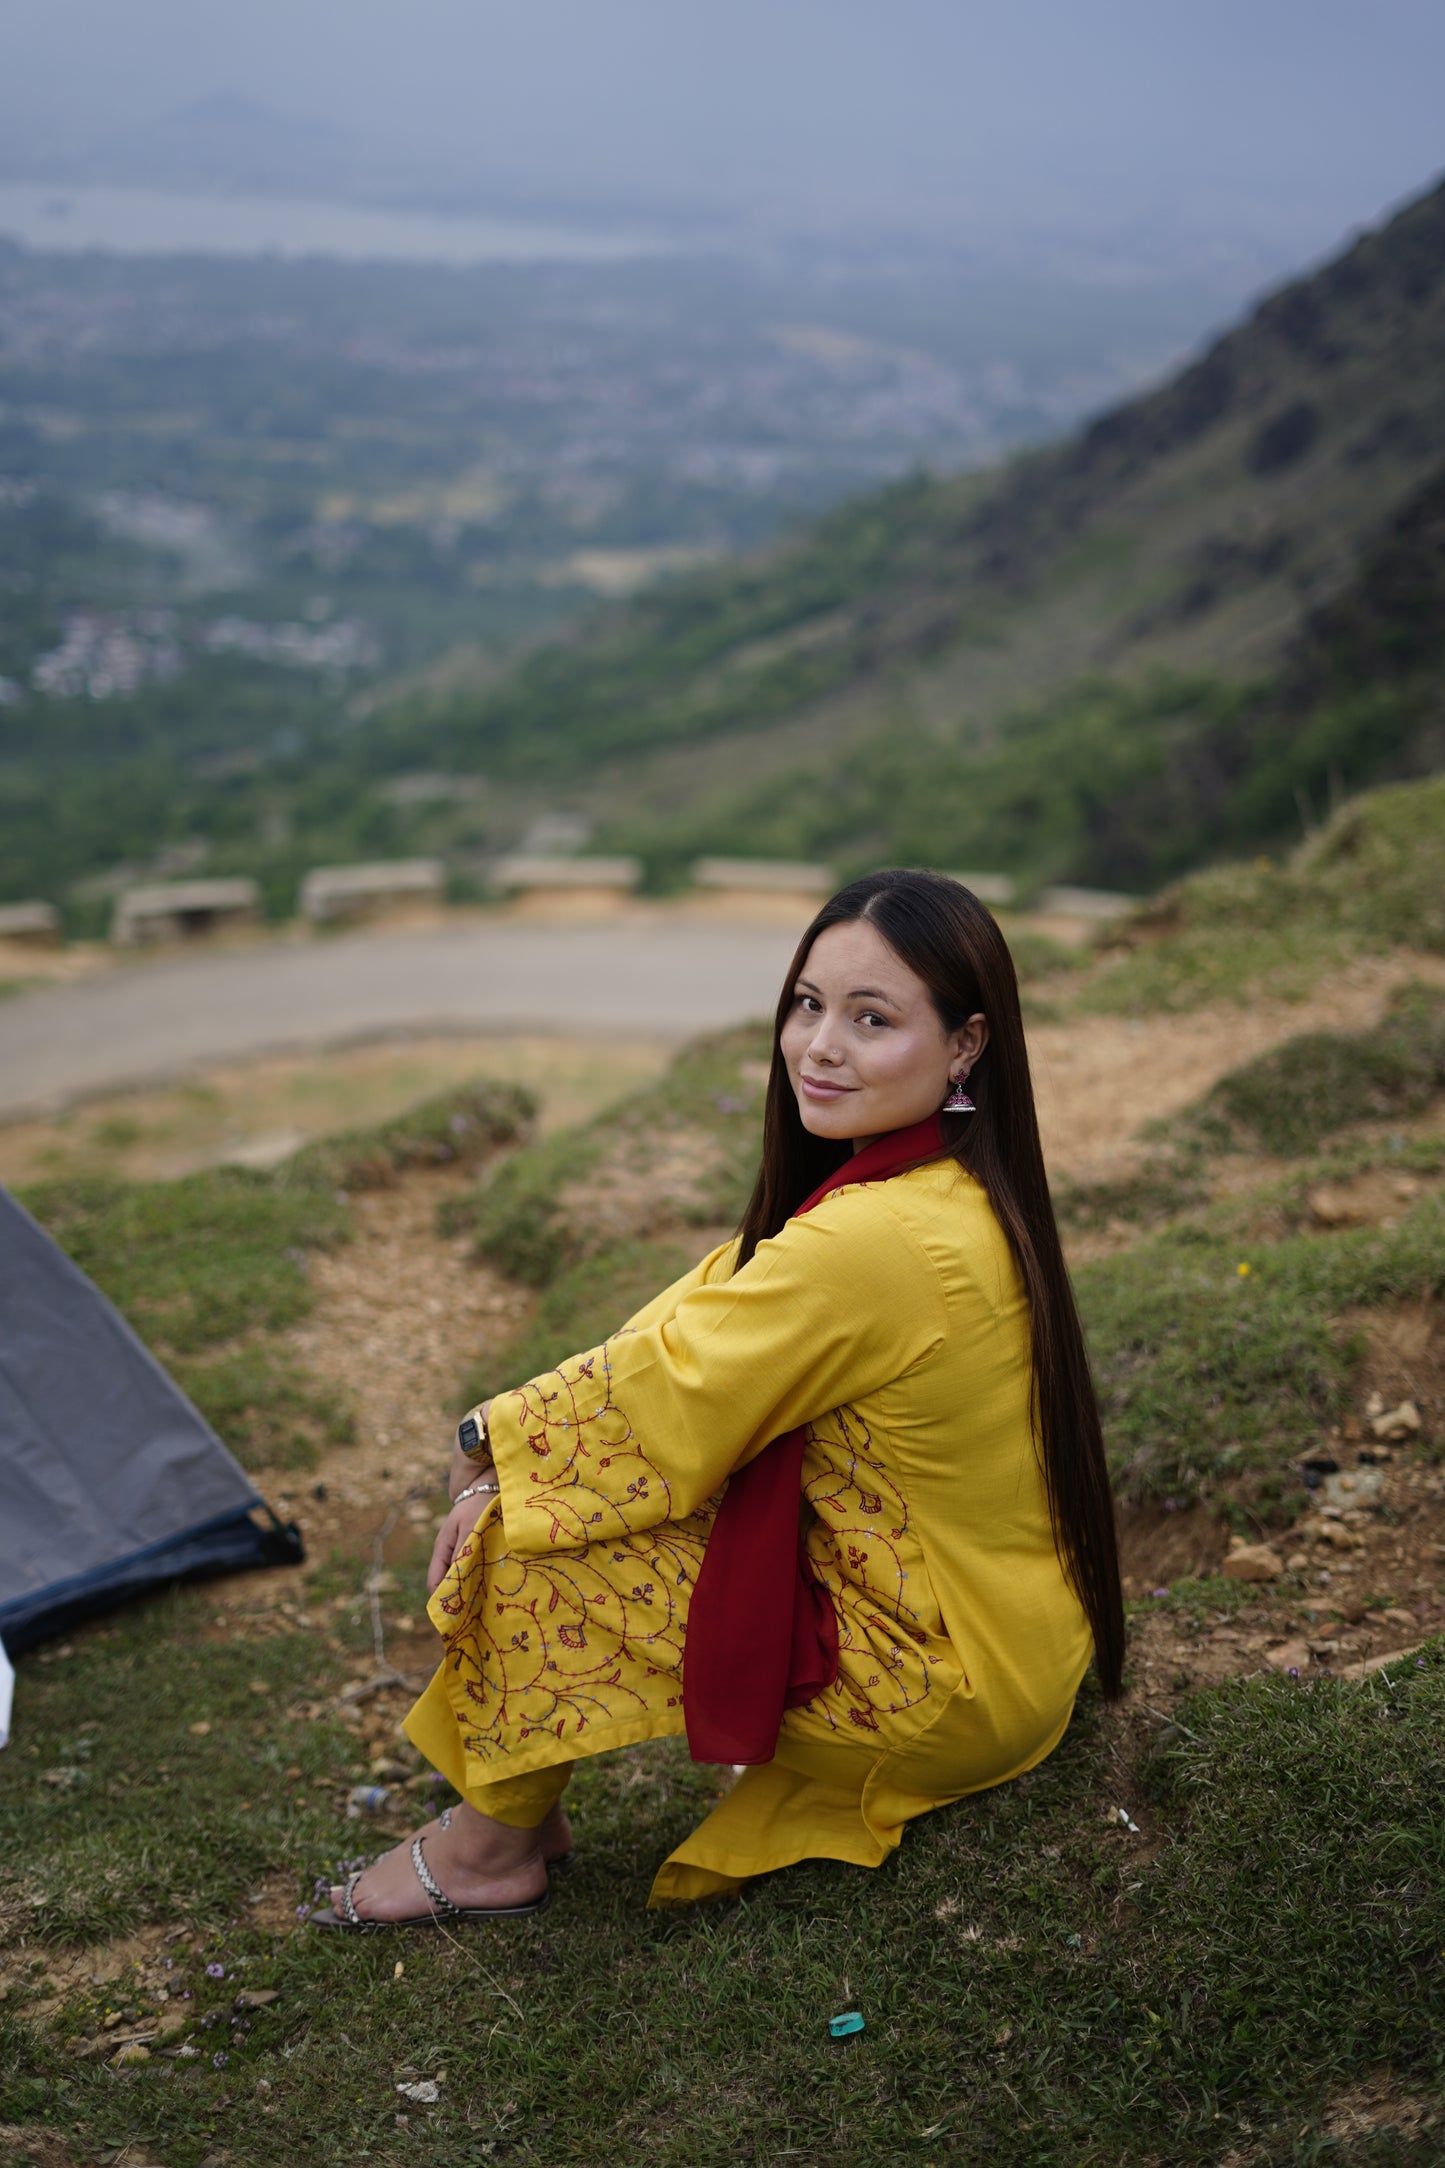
x: 110, y: 1482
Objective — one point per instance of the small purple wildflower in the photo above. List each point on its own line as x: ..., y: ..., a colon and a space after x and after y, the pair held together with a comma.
x: 1158, y: 1592
x: 219, y: 2060
x: 215, y: 1972
x: 303, y: 1912
x: 1292, y: 1671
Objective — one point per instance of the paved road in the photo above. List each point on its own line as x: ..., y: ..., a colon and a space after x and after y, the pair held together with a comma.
x: 156, y: 1019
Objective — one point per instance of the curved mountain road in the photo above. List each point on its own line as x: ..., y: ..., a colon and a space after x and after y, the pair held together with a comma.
x: 151, y: 1019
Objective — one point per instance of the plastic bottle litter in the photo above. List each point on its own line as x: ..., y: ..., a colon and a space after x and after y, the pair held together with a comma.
x: 849, y: 2021
x: 367, y: 1799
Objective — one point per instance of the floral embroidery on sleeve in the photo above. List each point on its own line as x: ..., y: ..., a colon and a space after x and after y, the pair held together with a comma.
x: 864, y: 1549
x: 569, y: 1642
x: 590, y: 1479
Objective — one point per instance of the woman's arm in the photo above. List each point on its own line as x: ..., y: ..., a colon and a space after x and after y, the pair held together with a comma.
x: 464, y: 1471
x: 647, y: 1427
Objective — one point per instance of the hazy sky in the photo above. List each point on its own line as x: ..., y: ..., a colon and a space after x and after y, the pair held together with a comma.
x: 1293, y: 117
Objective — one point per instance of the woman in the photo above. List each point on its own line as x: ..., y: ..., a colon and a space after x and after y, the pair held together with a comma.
x: 835, y: 1502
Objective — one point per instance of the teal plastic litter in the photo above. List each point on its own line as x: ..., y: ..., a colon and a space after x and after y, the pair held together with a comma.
x: 851, y: 2021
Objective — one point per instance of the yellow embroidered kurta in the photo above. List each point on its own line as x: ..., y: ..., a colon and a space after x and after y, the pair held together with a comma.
x: 892, y: 1322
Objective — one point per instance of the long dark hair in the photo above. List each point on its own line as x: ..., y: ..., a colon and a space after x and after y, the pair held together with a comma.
x: 941, y: 931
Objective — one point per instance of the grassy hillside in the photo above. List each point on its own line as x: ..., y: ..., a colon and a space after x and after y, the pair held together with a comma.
x: 1371, y: 880
x: 1173, y: 636
x: 1181, y: 635
x: 1204, y: 1933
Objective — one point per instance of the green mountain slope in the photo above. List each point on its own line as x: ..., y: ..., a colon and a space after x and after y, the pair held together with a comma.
x: 1169, y: 637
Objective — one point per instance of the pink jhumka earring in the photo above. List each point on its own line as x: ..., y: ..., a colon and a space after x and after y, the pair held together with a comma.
x: 958, y: 1101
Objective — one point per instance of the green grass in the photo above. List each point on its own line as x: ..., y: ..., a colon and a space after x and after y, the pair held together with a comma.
x: 154, y: 1822
x: 269, y: 1410
x: 1200, y: 1597
x: 1290, y: 1099
x: 1157, y: 1192
x: 522, y: 1218
x: 1373, y: 880
x: 197, y: 1261
x: 1039, y: 1987
x: 580, y: 1215
x: 460, y: 1128
x: 1208, y: 1375
x: 1038, y: 955
x: 517, y: 1219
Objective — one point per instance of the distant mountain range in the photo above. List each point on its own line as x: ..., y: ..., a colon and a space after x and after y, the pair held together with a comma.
x: 227, y: 143
x: 1181, y: 633
x: 230, y: 144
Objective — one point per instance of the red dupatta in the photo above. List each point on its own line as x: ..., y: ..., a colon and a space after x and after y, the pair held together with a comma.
x: 762, y: 1634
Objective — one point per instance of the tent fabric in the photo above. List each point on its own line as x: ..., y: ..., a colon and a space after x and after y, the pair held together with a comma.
x: 110, y: 1481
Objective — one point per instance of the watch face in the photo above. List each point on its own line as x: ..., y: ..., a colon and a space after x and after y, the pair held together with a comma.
x: 469, y: 1436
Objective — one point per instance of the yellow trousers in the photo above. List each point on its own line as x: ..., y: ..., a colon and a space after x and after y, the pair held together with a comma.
x: 522, y: 1802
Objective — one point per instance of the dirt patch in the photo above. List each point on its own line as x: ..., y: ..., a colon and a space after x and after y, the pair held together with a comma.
x: 647, y: 1187
x: 32, y: 964
x: 1100, y: 1079
x: 43, y: 2149
x: 1356, y: 1585
x: 1157, y: 1546
x: 400, y: 1316
x: 134, y: 1986
x: 1405, y: 1360
x: 1362, y: 1571
x: 1378, y: 2106
x: 1373, y: 1199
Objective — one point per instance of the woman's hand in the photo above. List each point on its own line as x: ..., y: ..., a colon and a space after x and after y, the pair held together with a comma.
x: 462, y: 1518
x: 455, y: 1529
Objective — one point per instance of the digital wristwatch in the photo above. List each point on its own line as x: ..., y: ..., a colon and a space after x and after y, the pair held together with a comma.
x: 472, y: 1438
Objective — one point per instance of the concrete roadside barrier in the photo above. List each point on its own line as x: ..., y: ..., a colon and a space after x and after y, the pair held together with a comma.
x: 352, y: 895
x: 549, y: 886
x: 183, y: 911
x: 30, y: 925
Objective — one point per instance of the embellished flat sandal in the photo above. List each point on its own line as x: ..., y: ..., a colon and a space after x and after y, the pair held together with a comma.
x: 442, y: 1911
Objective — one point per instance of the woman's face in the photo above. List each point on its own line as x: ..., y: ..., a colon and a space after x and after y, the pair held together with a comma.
x: 864, y: 1047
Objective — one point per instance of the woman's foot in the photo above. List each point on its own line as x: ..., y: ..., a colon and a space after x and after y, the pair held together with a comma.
x: 554, y: 1834
x: 480, y: 1864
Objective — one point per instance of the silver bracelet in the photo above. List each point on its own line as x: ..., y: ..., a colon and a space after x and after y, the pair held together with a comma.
x: 473, y: 1489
